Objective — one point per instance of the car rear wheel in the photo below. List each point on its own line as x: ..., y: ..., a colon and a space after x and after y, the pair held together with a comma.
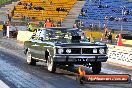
x: 96, y: 67
x: 30, y: 60
x: 51, y: 65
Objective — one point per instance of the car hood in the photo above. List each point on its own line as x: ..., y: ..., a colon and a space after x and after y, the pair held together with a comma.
x: 80, y: 44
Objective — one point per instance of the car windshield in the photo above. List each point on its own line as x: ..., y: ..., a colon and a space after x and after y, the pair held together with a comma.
x: 64, y: 35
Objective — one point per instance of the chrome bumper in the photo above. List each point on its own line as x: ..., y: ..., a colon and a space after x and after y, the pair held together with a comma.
x: 86, y: 58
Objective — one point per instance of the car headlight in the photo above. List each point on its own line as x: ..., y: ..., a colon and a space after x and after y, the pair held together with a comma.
x: 101, y: 51
x: 68, y: 50
x: 60, y: 51
x: 95, y: 50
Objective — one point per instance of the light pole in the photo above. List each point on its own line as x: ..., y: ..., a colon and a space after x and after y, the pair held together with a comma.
x: 121, y: 19
x: 106, y: 21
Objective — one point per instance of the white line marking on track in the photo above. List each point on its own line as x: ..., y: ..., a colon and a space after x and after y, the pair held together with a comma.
x: 3, y: 85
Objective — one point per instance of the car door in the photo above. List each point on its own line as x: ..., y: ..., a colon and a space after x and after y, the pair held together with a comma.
x: 45, y: 44
x: 36, y: 46
x: 40, y: 46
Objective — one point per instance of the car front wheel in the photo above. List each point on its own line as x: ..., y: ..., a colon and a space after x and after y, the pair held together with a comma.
x: 96, y: 67
x: 30, y: 60
x: 51, y: 65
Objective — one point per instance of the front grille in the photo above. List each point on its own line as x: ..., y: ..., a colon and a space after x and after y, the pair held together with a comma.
x: 87, y: 51
x: 73, y: 50
x: 80, y: 51
x: 76, y: 51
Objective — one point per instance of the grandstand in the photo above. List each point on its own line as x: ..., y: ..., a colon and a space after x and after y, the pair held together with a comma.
x: 118, y: 13
x: 50, y: 9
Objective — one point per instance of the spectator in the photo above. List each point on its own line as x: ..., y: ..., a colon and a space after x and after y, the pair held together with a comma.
x: 38, y: 8
x: 109, y: 36
x: 82, y: 12
x: 19, y: 3
x: 25, y: 4
x: 124, y: 19
x: 28, y: 18
x: 22, y: 18
x: 48, y: 23
x: 43, y: 1
x: 51, y: 3
x: 41, y: 24
x: 15, y: 32
x: 30, y: 28
x: 25, y: 7
x: 59, y: 24
x: 112, y: 18
x: 29, y: 5
x: 58, y: 9
x: 7, y: 13
x: 63, y: 9
x: 35, y: 7
x: 90, y: 26
x: 116, y: 19
x: 126, y: 12
x: 4, y: 29
x: 17, y: 14
x: 106, y: 31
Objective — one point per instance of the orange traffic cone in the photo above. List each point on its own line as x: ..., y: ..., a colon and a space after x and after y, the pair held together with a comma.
x: 119, y: 40
x: 102, y: 39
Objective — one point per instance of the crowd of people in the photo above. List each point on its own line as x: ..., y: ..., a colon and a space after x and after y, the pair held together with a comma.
x: 61, y: 9
x: 124, y: 19
x: 48, y: 23
x: 30, y: 6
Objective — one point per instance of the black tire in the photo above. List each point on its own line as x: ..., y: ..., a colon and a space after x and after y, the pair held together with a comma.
x: 51, y: 65
x: 96, y: 67
x: 30, y: 60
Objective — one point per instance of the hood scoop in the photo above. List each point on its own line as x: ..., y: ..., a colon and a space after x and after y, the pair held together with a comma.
x: 76, y: 39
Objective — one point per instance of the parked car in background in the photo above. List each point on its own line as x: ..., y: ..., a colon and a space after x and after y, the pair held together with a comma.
x: 127, y: 36
x: 64, y: 46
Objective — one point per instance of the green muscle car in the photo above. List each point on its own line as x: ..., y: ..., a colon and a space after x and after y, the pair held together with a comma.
x: 64, y: 46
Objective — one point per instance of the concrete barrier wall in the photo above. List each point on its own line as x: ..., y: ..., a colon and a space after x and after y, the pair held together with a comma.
x: 24, y: 35
x: 120, y: 55
x: 96, y: 34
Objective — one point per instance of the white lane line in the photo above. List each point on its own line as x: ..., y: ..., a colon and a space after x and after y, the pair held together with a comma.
x: 3, y: 85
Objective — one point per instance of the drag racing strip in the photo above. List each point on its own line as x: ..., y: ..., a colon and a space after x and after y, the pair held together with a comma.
x: 3, y: 85
x: 14, y: 68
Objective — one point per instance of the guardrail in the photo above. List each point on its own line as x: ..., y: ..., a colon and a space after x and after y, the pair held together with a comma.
x: 24, y: 35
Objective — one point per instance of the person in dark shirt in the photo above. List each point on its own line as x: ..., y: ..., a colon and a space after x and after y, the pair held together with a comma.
x: 4, y: 29
x: 109, y: 37
x: 58, y: 9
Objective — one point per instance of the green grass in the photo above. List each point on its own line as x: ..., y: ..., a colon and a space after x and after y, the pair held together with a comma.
x: 4, y: 1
